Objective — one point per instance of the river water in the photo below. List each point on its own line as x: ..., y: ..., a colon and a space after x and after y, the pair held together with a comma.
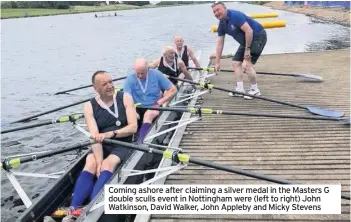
x: 43, y: 55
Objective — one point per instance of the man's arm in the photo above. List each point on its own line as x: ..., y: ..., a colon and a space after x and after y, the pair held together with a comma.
x: 184, y: 70
x: 168, y: 87
x: 219, y: 48
x: 193, y: 57
x: 167, y: 95
x: 94, y: 132
x: 154, y: 64
x: 248, y: 34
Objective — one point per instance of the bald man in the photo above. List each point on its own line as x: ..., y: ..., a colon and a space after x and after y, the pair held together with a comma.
x: 184, y: 52
x: 144, y: 85
x: 170, y: 65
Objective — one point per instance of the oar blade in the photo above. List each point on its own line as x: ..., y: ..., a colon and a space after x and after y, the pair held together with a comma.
x: 345, y: 121
x: 325, y: 112
x: 311, y: 77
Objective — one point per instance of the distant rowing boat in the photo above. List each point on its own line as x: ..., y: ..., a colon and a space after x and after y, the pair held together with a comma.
x: 106, y: 16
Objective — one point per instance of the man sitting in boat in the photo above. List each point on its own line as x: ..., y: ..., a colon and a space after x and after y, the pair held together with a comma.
x: 170, y: 65
x: 184, y: 52
x: 145, y: 85
x: 108, y: 115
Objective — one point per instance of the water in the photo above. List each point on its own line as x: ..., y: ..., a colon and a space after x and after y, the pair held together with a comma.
x: 43, y: 55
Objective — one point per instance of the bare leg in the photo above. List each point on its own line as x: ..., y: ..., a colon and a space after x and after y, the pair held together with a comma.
x: 238, y: 71
x: 250, y: 71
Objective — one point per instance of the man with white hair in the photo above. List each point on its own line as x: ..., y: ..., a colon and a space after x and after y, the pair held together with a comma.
x: 144, y: 86
x: 170, y: 65
x: 185, y: 52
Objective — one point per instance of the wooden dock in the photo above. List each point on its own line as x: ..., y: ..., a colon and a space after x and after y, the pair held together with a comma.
x: 309, y: 151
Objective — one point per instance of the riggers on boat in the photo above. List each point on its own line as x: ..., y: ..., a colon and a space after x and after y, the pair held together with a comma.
x: 162, y: 133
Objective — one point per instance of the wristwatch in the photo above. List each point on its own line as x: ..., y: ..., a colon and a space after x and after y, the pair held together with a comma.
x: 248, y: 47
x: 114, y: 133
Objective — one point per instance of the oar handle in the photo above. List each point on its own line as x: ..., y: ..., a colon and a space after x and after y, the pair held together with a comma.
x: 50, y: 111
x: 8, y: 164
x: 62, y: 119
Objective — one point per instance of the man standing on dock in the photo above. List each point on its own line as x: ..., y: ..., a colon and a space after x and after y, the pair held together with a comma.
x: 252, y: 39
x: 144, y: 86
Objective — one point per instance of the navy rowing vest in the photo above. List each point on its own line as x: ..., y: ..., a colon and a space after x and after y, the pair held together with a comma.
x: 185, y: 56
x: 167, y: 71
x: 105, y: 121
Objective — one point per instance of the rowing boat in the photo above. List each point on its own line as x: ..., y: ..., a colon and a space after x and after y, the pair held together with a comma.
x: 161, y: 133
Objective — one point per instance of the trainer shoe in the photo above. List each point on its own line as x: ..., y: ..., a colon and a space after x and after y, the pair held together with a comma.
x: 77, y: 212
x: 67, y: 212
x: 232, y: 94
x: 252, y: 92
x: 61, y: 213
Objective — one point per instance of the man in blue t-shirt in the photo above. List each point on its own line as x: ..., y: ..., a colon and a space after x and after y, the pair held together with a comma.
x: 145, y: 85
x: 252, y: 39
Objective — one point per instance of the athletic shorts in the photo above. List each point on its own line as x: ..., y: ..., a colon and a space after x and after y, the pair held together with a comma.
x: 118, y: 150
x: 257, y: 46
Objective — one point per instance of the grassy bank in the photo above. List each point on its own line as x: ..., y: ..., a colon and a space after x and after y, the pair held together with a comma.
x: 33, y: 12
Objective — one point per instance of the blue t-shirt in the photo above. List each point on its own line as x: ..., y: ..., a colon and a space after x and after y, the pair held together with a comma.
x: 232, y: 24
x: 156, y: 82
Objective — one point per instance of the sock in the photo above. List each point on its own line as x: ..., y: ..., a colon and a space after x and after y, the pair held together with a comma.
x: 254, y: 86
x: 240, y: 86
x: 142, y: 132
x: 103, y: 178
x: 82, y: 188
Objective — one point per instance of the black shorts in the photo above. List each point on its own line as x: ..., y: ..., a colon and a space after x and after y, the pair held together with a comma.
x: 257, y: 46
x: 118, y: 150
x: 141, y: 113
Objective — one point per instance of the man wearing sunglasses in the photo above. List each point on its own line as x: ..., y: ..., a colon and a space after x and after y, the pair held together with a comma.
x: 252, y: 39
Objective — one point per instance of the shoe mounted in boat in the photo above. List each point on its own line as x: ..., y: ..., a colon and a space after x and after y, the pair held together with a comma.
x: 67, y: 211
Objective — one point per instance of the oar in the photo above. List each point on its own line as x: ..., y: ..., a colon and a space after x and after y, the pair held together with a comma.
x: 27, y: 119
x: 62, y: 119
x: 54, y: 110
x: 200, y: 111
x: 7, y: 164
x: 304, y: 76
x: 82, y: 87
x: 315, y: 110
x: 184, y: 158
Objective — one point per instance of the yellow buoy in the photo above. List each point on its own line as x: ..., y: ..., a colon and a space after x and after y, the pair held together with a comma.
x: 264, y: 15
x: 273, y: 24
x: 266, y: 25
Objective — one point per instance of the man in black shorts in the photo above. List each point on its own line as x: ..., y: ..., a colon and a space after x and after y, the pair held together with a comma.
x: 252, y: 39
